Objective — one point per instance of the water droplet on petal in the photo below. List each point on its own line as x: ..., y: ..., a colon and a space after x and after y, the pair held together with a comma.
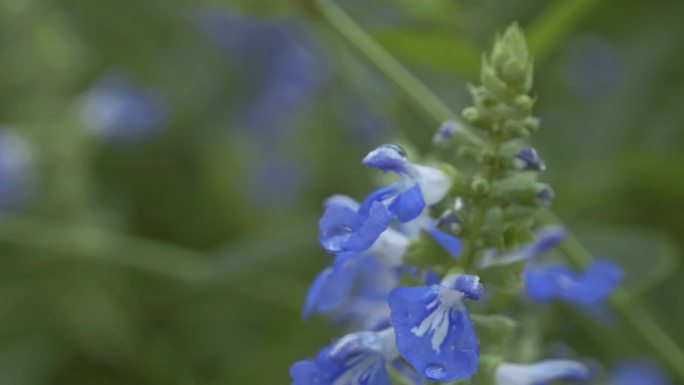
x: 334, y: 237
x: 435, y: 372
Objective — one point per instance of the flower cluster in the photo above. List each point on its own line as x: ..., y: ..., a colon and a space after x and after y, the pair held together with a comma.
x: 412, y: 259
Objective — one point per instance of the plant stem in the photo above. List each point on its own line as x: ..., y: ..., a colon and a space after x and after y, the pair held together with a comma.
x: 388, y: 65
x: 631, y: 313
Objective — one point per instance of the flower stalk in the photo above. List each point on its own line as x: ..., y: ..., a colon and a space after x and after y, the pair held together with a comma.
x: 633, y: 316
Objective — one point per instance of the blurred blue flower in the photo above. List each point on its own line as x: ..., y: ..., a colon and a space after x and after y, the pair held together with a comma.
x: 638, y: 372
x: 279, y: 64
x: 277, y: 72
x: 433, y: 328
x: 545, y: 241
x: 358, y: 358
x: 594, y: 68
x: 541, y: 372
x: 117, y: 111
x: 547, y: 283
x: 16, y: 170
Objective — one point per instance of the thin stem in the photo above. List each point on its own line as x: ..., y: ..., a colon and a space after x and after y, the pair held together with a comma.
x: 389, y: 66
x: 633, y: 316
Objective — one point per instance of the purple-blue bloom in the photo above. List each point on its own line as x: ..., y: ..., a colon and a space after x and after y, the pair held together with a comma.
x: 349, y: 227
x: 356, y: 359
x: 638, y: 372
x: 547, y: 283
x: 530, y: 160
x: 433, y: 328
x: 115, y: 110
x: 541, y: 372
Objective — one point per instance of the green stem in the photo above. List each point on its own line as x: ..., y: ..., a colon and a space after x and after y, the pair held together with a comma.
x: 389, y: 66
x: 631, y: 313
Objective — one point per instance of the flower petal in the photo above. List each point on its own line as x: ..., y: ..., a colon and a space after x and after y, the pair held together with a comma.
x: 408, y: 205
x: 388, y: 157
x: 332, y: 286
x: 434, y: 332
x: 450, y: 243
x: 544, y: 284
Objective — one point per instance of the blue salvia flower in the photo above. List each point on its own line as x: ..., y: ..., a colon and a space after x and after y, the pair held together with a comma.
x: 117, y: 111
x: 638, y: 372
x: 433, y: 327
x: 16, y: 170
x: 347, y: 228
x: 356, y: 359
x: 547, y: 283
x: 541, y: 372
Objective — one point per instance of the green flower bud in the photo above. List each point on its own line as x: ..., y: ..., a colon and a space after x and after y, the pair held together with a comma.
x: 480, y: 186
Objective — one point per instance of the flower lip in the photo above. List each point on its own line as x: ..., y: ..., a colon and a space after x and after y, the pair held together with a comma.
x: 388, y: 157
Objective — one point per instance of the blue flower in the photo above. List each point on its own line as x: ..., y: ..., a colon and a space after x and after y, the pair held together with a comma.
x: 529, y: 159
x: 638, y: 372
x: 348, y: 227
x: 540, y: 372
x: 445, y: 132
x: 547, y: 283
x: 356, y: 286
x: 433, y: 328
x: 356, y: 359
x: 16, y: 170
x: 116, y: 111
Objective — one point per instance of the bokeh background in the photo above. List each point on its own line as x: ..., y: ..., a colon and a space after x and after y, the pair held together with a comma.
x: 162, y: 165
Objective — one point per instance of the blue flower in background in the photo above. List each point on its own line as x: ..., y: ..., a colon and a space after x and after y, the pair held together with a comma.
x: 358, y: 358
x: 545, y: 241
x: 277, y: 70
x: 281, y: 68
x: 16, y: 170
x: 433, y: 328
x: 638, y: 372
x: 547, y: 283
x: 541, y: 372
x: 345, y: 227
x: 117, y: 111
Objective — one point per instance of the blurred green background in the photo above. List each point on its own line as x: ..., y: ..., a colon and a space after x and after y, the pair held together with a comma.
x: 162, y: 165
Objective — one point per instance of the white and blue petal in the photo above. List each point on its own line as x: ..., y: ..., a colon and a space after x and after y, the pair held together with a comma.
x: 434, y: 331
x: 356, y: 359
x: 540, y: 372
x: 434, y: 183
x: 548, y: 283
x: 467, y: 284
x: 388, y: 158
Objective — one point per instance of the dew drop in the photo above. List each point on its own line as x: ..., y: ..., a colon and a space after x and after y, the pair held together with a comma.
x: 435, y: 372
x: 334, y: 237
